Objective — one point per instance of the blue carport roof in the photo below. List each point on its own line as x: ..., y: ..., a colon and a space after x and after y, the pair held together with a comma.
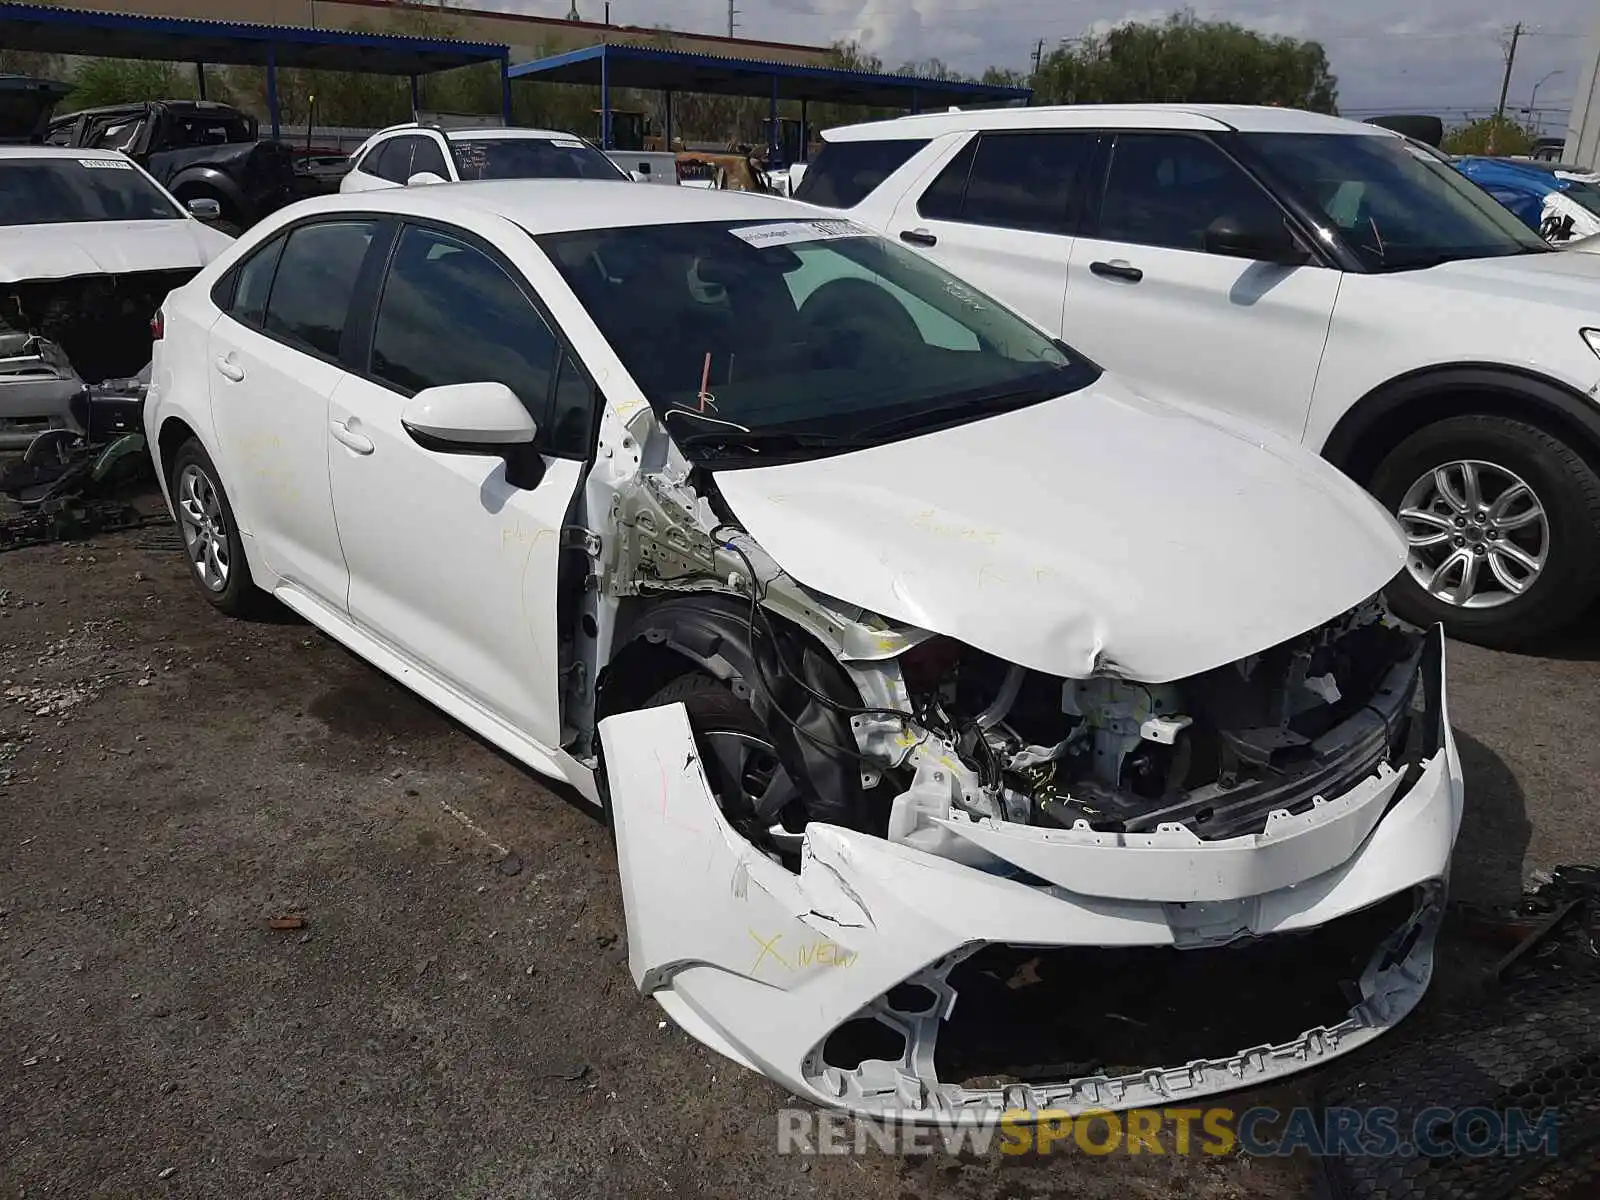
x: 51, y: 30
x: 651, y: 67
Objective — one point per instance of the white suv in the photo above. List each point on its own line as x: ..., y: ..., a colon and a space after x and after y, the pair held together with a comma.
x: 1327, y: 279
x: 416, y: 153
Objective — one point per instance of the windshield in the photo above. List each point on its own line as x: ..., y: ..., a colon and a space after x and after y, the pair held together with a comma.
x: 1585, y: 195
x: 810, y: 330
x: 1398, y: 206
x: 532, y: 158
x: 54, y: 191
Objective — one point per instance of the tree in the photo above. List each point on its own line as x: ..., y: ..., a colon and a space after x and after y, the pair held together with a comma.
x: 99, y: 81
x: 1490, y: 135
x: 1187, y: 60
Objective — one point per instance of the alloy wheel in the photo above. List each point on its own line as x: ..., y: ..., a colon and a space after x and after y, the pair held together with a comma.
x: 1477, y: 534
x: 751, y: 785
x: 205, y: 528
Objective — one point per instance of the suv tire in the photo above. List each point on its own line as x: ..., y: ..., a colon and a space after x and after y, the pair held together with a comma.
x: 1520, y: 501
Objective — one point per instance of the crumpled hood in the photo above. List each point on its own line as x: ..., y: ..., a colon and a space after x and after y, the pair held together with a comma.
x: 1098, y: 531
x: 105, y: 248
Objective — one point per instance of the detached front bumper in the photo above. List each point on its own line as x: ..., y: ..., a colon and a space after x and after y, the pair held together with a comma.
x: 764, y: 965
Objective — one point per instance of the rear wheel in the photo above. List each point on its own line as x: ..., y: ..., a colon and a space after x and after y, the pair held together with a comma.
x: 1502, y: 524
x: 210, y: 534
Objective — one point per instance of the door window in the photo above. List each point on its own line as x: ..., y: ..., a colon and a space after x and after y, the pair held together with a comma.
x: 310, y: 293
x: 426, y: 156
x: 391, y: 160
x: 255, y: 282
x: 451, y: 314
x: 1013, y: 181
x: 1167, y: 189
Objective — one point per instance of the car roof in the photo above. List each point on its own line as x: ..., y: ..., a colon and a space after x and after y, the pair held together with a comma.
x: 503, y: 131
x: 562, y: 205
x: 19, y: 150
x: 1249, y: 118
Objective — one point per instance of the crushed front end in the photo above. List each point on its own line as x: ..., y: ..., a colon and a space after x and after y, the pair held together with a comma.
x: 1310, y: 787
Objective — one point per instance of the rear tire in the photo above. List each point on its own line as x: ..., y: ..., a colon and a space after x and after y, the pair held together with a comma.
x: 210, y: 534
x: 1503, y: 525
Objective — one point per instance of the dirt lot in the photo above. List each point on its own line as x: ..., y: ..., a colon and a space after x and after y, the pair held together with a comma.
x: 455, y: 1018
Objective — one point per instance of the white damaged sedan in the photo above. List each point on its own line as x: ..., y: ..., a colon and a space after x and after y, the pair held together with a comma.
x: 888, y: 631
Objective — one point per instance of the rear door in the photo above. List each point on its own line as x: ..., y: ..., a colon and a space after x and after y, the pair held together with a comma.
x: 274, y: 364
x: 1001, y: 212
x: 1147, y: 301
x: 449, y: 563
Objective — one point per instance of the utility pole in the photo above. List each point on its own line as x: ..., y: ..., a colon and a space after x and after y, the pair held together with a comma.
x: 1038, y: 55
x: 732, y: 13
x: 1505, y: 82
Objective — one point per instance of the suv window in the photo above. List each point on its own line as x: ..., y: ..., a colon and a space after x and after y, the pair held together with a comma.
x: 846, y: 173
x: 450, y: 314
x: 1166, y: 189
x: 310, y: 294
x: 1014, y: 181
x: 391, y: 160
x: 426, y: 156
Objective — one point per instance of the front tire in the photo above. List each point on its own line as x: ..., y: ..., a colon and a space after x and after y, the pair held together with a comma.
x: 740, y: 762
x: 211, y: 537
x: 1502, y: 522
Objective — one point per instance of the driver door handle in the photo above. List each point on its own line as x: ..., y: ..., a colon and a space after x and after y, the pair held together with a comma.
x: 1117, y: 270
x: 918, y: 237
x: 348, y: 437
x: 229, y: 369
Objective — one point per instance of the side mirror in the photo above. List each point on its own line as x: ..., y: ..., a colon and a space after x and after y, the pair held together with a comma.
x: 1231, y: 237
x: 476, y: 418
x: 425, y: 177
x: 203, y: 209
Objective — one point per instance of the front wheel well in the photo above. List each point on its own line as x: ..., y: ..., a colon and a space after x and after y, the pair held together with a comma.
x: 1384, y: 418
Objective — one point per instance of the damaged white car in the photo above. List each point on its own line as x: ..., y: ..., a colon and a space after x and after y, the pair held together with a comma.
x: 893, y: 636
x: 89, y: 247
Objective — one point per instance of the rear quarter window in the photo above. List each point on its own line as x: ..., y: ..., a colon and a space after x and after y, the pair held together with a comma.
x: 846, y: 173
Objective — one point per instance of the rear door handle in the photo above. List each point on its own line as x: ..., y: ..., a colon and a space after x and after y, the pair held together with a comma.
x: 229, y: 369
x: 346, y: 436
x: 918, y: 237
x: 1117, y: 270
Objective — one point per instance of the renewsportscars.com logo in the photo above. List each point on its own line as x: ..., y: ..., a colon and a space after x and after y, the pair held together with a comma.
x: 1215, y: 1131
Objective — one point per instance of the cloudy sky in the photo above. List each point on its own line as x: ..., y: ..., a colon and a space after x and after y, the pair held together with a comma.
x: 1436, y: 55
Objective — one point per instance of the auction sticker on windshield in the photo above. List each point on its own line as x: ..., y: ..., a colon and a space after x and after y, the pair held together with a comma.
x: 106, y: 164
x: 786, y: 233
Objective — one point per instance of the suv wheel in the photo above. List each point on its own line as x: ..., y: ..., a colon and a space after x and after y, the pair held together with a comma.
x: 1502, y: 521
x: 210, y: 534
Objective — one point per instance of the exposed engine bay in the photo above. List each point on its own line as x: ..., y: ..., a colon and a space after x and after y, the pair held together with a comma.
x: 100, y: 324
x: 902, y: 728
x: 74, y: 369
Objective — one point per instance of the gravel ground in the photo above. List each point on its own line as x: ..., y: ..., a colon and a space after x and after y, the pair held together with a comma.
x: 451, y: 1020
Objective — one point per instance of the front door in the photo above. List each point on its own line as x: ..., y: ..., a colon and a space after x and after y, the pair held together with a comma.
x: 449, y: 563
x: 1146, y: 301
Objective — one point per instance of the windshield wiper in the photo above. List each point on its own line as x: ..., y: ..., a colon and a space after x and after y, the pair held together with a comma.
x: 759, y: 440
x: 972, y: 406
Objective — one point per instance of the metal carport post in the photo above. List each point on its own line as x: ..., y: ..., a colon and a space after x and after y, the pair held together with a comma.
x: 272, y: 89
